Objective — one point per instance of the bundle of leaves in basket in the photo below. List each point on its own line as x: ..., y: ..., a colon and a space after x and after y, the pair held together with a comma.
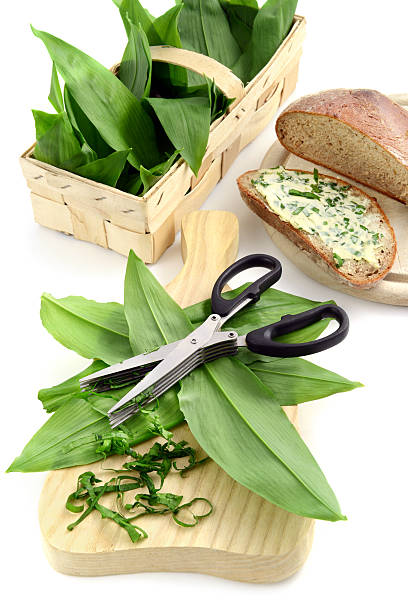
x: 126, y: 127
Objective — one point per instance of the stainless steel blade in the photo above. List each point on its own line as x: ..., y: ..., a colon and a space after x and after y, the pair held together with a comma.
x: 134, y: 363
x: 227, y: 348
x: 183, y: 350
x: 133, y: 369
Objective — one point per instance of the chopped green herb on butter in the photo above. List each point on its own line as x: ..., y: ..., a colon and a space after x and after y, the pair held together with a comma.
x: 324, y: 208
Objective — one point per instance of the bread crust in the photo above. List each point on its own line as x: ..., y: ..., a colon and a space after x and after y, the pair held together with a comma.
x: 366, y: 111
x: 301, y: 239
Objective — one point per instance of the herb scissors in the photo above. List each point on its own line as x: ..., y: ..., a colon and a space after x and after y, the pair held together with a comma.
x: 159, y: 370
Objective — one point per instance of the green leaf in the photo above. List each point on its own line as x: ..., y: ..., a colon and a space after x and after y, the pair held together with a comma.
x: 164, y: 30
x: 146, y: 306
x: 270, y: 28
x: 241, y: 15
x: 132, y: 10
x: 85, y: 130
x: 114, y: 111
x: 247, y: 433
x: 160, y: 30
x: 44, y: 122
x: 240, y: 425
x: 186, y: 122
x: 106, y: 170
x: 75, y: 433
x: 56, y: 142
x: 219, y: 102
x: 295, y: 381
x: 72, y: 318
x: 50, y: 448
x: 135, y: 69
x: 93, y: 330
x: 150, y: 177
x: 204, y: 28
x: 55, y: 397
x: 55, y: 95
x: 133, y: 184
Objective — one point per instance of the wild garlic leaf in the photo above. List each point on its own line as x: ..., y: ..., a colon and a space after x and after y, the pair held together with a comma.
x: 93, y: 330
x: 76, y: 317
x: 55, y: 95
x: 109, y: 105
x: 186, y: 122
x: 50, y: 449
x: 65, y: 396
x: 56, y: 142
x: 106, y: 170
x: 295, y: 380
x: 204, y: 28
x: 241, y: 15
x: 150, y: 177
x: 135, y: 70
x: 84, y: 129
x: 219, y: 102
x: 56, y: 396
x: 44, y: 122
x: 152, y: 315
x: 247, y: 433
x: 77, y: 433
x: 164, y: 31
x: 271, y: 25
x: 132, y: 10
x: 132, y: 184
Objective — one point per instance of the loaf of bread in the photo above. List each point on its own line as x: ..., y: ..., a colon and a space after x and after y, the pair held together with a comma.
x: 339, y: 226
x: 358, y: 132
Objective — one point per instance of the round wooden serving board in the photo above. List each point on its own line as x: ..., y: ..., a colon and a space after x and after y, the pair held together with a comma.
x: 393, y: 289
x: 246, y: 538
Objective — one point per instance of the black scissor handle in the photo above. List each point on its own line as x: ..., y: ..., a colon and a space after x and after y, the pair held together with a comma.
x: 262, y: 340
x: 224, y: 307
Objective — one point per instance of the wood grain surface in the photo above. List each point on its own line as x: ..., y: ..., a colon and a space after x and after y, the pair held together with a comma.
x: 246, y: 538
x: 393, y: 289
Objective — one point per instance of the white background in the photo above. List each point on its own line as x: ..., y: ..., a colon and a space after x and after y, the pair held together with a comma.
x: 358, y: 438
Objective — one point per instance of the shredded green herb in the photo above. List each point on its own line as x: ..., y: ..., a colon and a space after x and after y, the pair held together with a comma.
x: 137, y: 473
x: 304, y: 194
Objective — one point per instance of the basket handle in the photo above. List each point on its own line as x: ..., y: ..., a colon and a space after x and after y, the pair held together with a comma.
x: 230, y: 85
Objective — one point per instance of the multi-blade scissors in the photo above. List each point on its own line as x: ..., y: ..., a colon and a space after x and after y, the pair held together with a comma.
x: 156, y: 372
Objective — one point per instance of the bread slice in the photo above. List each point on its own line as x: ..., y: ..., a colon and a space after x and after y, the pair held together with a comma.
x: 358, y: 132
x: 355, y: 272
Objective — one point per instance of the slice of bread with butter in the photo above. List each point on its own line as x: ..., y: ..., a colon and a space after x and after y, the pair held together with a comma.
x: 336, y: 224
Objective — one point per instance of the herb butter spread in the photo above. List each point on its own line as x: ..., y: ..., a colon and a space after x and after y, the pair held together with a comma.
x: 325, y: 208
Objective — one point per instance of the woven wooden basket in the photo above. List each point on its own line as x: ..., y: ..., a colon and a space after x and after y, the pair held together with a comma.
x: 120, y: 221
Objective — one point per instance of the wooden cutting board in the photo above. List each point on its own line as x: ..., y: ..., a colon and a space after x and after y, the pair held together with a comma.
x: 393, y: 289
x: 246, y: 538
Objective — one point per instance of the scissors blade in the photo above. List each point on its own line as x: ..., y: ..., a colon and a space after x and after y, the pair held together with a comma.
x: 179, y: 356
x: 134, y: 363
